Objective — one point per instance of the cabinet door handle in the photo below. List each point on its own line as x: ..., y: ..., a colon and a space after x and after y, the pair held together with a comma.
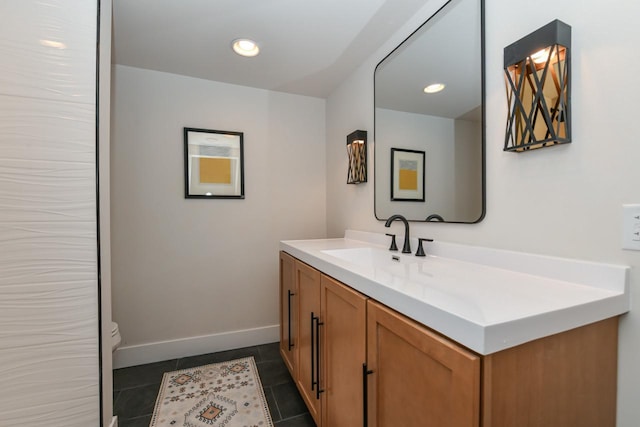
x: 313, y: 342
x: 289, y: 317
x: 365, y: 395
x: 318, y: 390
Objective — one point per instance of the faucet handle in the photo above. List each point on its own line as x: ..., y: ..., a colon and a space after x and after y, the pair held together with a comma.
x: 420, y: 251
x: 393, y: 246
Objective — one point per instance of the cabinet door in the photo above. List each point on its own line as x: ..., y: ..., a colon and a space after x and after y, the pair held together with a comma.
x: 419, y: 378
x: 343, y: 347
x: 566, y: 379
x: 288, y: 311
x: 308, y: 284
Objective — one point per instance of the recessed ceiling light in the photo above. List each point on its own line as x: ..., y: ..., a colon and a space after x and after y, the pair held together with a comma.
x: 434, y: 88
x: 245, y: 47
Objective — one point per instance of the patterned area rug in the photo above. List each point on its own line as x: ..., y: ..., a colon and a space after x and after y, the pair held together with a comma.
x: 225, y: 394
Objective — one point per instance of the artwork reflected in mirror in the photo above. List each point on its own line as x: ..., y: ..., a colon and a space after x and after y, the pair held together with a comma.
x: 429, y: 95
x: 407, y: 175
x: 213, y: 164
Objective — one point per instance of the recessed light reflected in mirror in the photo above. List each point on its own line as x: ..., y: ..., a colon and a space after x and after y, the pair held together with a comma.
x: 245, y: 47
x: 434, y: 88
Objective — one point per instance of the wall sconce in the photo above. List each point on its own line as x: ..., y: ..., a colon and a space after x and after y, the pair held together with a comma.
x: 538, y: 78
x: 357, y: 150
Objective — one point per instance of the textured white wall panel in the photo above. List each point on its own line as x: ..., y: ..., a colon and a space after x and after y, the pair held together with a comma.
x: 48, y: 255
x: 47, y: 156
x: 45, y: 48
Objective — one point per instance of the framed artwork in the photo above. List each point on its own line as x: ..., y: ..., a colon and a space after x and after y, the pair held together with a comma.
x: 213, y: 164
x: 407, y: 175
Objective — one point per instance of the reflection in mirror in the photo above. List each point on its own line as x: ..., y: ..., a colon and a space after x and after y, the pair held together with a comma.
x: 213, y: 164
x: 447, y: 125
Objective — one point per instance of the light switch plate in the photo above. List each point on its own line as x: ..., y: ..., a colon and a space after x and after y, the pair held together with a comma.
x: 631, y: 227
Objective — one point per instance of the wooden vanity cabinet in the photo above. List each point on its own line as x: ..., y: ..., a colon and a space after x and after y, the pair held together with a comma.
x: 418, y: 378
x: 343, y: 348
x: 357, y: 362
x: 329, y: 343
x: 288, y: 310
x: 306, y: 370
x: 563, y: 380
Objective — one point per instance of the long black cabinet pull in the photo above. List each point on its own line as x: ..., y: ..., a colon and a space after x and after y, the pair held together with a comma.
x: 313, y: 342
x: 365, y: 395
x: 289, y: 317
x: 318, y: 390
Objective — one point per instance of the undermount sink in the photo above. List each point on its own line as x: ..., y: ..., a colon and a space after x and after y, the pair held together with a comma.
x: 371, y: 257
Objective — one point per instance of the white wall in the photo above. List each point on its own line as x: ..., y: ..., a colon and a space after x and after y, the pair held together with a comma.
x: 434, y: 136
x: 564, y: 201
x: 468, y: 173
x: 48, y: 252
x: 195, y: 270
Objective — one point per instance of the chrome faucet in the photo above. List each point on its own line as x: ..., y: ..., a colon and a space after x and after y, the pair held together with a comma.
x: 406, y: 248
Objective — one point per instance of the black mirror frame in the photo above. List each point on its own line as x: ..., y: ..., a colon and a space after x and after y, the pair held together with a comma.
x: 438, y: 218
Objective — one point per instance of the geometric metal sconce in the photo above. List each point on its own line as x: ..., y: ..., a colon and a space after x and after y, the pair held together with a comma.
x: 538, y: 78
x: 357, y: 150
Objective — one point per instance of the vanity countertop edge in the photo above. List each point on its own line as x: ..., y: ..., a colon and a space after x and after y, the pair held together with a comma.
x: 465, y: 299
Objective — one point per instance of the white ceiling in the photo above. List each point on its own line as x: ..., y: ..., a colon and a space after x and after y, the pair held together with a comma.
x: 308, y: 47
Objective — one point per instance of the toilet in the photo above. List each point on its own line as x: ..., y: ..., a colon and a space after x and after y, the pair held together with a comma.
x: 115, y: 336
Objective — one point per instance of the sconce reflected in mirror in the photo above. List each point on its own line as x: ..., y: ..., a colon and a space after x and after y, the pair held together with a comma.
x: 538, y: 79
x: 357, y: 151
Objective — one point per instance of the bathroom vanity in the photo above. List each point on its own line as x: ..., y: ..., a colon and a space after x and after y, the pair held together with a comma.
x: 465, y: 336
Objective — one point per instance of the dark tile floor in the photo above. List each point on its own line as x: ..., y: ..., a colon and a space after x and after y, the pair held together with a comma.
x: 136, y: 388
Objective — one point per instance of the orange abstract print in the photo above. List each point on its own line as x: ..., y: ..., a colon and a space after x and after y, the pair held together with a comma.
x: 215, y: 170
x: 408, y: 175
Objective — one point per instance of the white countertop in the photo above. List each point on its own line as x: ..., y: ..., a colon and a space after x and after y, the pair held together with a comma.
x: 485, y: 299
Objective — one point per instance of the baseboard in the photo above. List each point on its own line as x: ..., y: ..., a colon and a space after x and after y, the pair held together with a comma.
x: 165, y: 350
x: 114, y: 422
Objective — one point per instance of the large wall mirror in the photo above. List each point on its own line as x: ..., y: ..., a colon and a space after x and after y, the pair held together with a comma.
x: 447, y: 126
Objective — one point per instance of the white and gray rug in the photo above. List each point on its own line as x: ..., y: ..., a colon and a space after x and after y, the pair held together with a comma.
x: 226, y: 394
